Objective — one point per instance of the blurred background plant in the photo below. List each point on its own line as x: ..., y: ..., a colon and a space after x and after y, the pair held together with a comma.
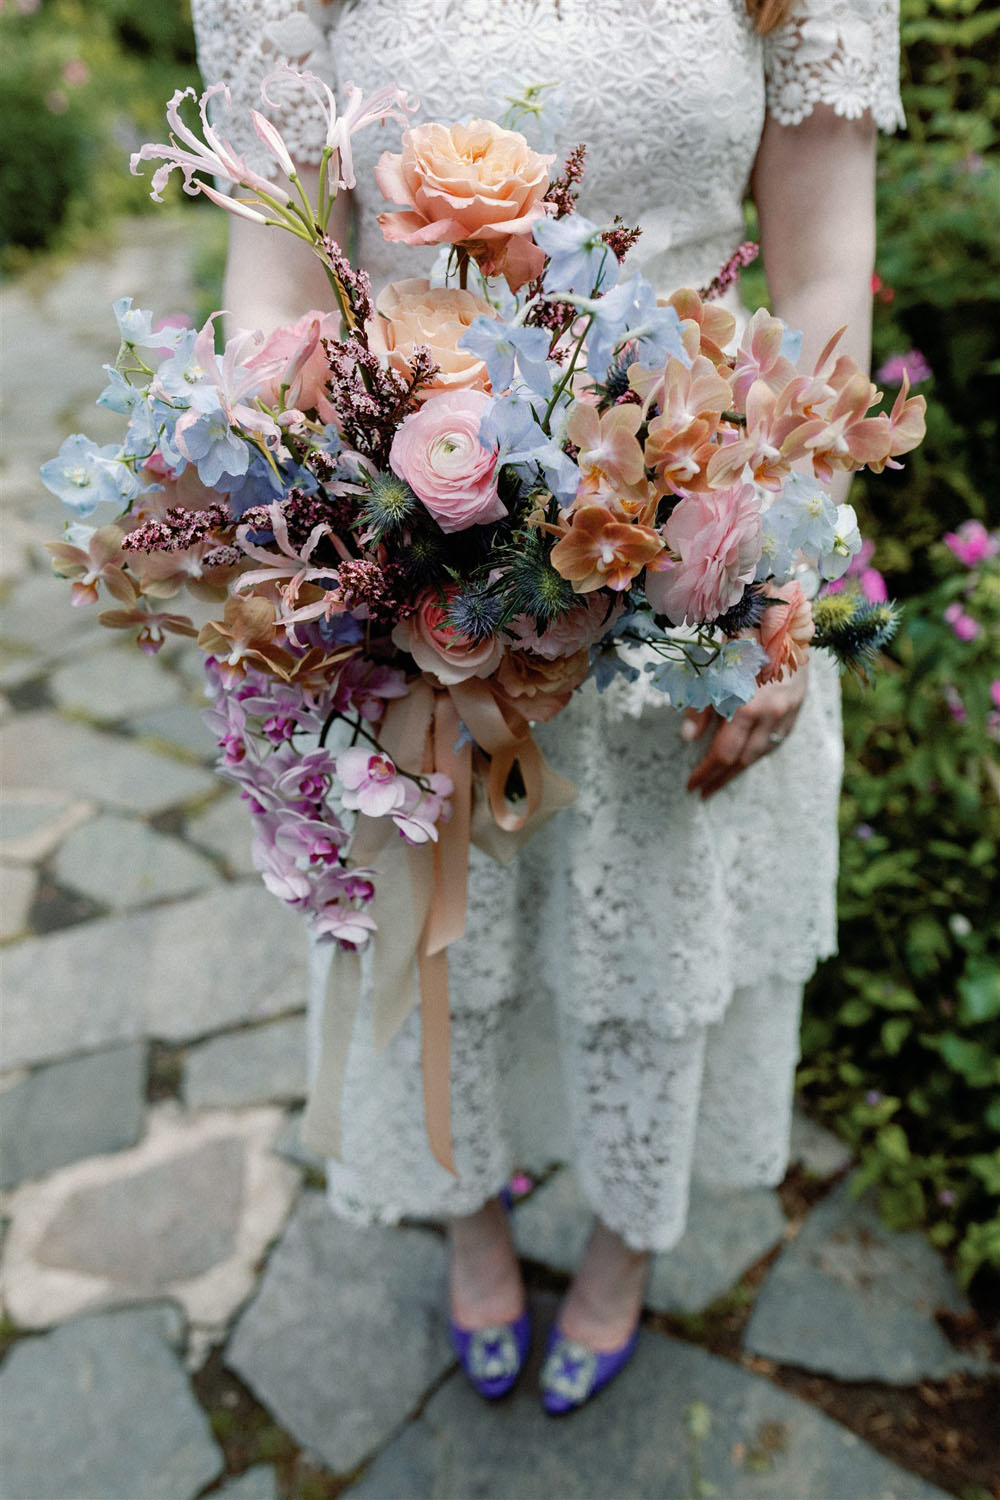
x: 901, y: 1043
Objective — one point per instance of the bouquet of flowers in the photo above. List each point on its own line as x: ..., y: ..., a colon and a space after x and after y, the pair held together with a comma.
x: 429, y: 519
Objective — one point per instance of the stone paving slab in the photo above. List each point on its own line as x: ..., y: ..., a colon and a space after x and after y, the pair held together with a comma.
x: 17, y: 893
x: 113, y: 684
x: 86, y: 1106
x: 821, y: 1153
x: 186, y: 1214
x: 727, y: 1232
x: 346, y: 1333
x: 101, y: 1410
x: 121, y: 863
x: 224, y: 828
x: 632, y: 1441
x: 233, y: 953
x: 852, y: 1299
x: 33, y: 822
x: 43, y: 749
x: 180, y: 725
x: 262, y: 1065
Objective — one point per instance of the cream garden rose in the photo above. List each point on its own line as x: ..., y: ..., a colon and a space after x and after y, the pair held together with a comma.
x: 411, y: 313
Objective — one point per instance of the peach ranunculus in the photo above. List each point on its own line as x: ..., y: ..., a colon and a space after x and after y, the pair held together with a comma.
x: 438, y: 452
x: 411, y: 313
x: 785, y: 632
x: 718, y: 539
x: 541, y: 686
x: 599, y: 550
x: 294, y: 357
x: 439, y: 648
x: 475, y: 185
x: 581, y: 626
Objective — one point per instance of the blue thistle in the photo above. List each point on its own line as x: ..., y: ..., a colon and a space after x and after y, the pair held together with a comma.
x: 423, y: 559
x: 477, y: 612
x: 854, y: 630
x: 389, y: 505
x: 747, y: 612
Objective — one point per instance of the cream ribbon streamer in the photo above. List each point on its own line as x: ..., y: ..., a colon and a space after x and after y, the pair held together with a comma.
x: 420, y: 902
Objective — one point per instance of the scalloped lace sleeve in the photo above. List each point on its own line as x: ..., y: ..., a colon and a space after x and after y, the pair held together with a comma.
x: 240, y: 42
x: 845, y: 54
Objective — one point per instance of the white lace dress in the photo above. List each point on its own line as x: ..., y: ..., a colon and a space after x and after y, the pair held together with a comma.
x: 627, y: 994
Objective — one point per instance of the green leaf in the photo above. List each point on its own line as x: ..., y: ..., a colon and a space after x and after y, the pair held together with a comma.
x: 902, y: 1206
x: 894, y: 1033
x: 987, y: 1169
x: 979, y: 992
x: 854, y: 1012
x: 892, y: 1143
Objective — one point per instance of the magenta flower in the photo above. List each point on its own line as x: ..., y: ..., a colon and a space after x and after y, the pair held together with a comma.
x: 964, y: 626
x: 898, y: 366
x: 972, y: 544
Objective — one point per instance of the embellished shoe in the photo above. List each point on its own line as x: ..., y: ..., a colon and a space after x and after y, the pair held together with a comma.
x: 493, y: 1357
x: 573, y: 1373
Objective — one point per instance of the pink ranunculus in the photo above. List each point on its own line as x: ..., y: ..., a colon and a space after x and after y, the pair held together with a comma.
x: 717, y: 537
x: 475, y: 185
x: 438, y: 452
x: 294, y: 357
x: 785, y: 632
x: 580, y: 626
x: 438, y: 647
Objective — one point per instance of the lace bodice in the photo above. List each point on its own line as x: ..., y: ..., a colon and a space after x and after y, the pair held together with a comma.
x: 669, y: 96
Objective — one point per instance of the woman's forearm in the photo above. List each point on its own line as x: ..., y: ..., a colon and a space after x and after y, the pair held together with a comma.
x: 272, y: 278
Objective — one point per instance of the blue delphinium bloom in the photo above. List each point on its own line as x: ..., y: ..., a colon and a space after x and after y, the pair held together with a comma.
x: 258, y: 485
x: 85, y: 476
x: 579, y: 260
x: 499, y: 345
x: 606, y: 664
x: 136, y: 328
x: 511, y: 425
x: 791, y: 344
x: 630, y: 313
x: 725, y: 683
x: 209, y: 442
x: 181, y: 373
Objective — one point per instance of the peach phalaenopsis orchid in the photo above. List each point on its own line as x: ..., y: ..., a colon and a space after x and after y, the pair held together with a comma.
x: 610, y: 459
x: 100, y: 561
x: 599, y: 550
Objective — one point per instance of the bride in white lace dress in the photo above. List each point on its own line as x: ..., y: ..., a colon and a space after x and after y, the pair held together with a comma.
x: 627, y: 994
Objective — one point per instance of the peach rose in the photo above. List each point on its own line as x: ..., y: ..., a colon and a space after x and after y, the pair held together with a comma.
x: 439, y: 648
x: 412, y: 313
x: 475, y: 185
x: 438, y: 452
x: 294, y: 357
x: 785, y: 632
x: 540, y: 687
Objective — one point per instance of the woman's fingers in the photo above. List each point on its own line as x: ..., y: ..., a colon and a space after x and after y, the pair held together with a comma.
x: 722, y: 758
x: 696, y: 721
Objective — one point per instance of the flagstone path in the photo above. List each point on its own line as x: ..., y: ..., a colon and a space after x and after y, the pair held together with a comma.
x: 182, y: 1316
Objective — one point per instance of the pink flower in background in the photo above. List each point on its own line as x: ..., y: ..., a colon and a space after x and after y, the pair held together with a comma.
x: 896, y: 366
x: 75, y: 72
x: 438, y: 452
x: 995, y: 692
x: 956, y: 707
x: 972, y: 543
x: 964, y: 626
x: 870, y: 580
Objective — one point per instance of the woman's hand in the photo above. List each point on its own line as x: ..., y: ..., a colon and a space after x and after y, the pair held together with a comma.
x: 755, y: 730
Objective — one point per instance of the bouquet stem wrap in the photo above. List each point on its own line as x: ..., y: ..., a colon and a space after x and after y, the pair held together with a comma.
x: 422, y: 896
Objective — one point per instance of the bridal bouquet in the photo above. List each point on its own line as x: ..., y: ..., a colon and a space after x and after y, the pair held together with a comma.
x: 428, y: 519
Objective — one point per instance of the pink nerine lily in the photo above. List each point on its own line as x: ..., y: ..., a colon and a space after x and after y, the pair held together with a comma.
x: 387, y: 103
x: 290, y: 575
x: 213, y: 156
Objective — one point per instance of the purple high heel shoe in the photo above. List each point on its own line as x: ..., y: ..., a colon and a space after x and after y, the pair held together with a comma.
x: 493, y: 1357
x: 573, y: 1374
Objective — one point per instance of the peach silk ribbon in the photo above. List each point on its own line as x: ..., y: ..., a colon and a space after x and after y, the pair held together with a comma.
x: 421, y: 898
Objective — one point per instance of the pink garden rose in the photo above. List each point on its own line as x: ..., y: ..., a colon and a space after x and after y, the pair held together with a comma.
x: 475, y: 185
x: 294, y: 356
x: 438, y: 452
x: 718, y: 539
x: 439, y: 648
x: 411, y: 313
